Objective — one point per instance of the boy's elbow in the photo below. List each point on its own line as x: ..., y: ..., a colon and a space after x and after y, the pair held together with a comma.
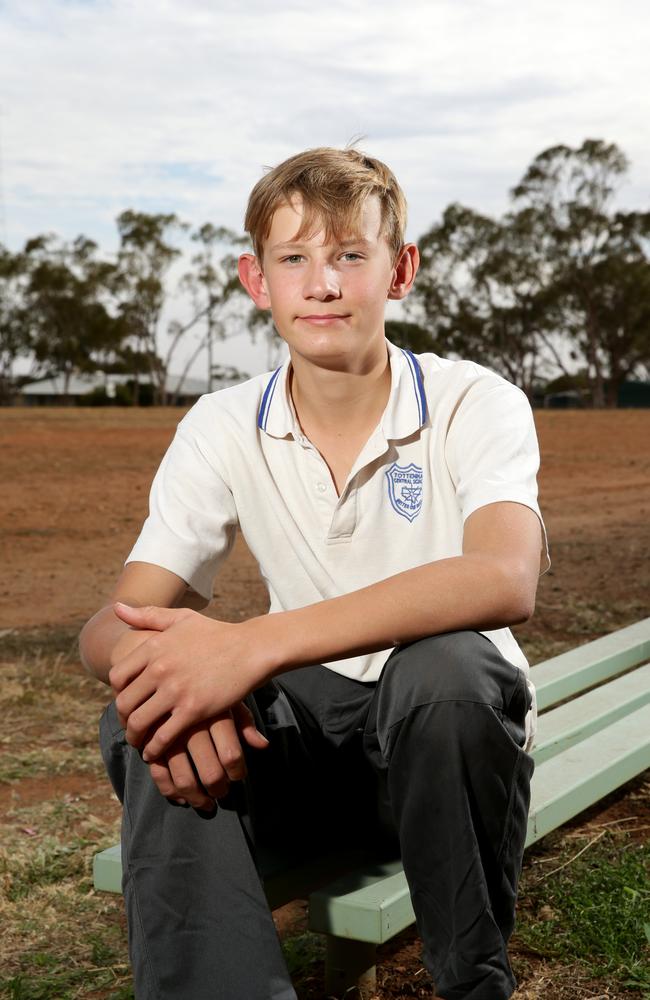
x: 90, y: 648
x: 522, y: 611
x: 519, y: 590
x: 83, y: 644
x: 83, y: 656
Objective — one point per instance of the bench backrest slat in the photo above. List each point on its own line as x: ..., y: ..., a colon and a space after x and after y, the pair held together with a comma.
x: 569, y: 673
x: 582, y: 717
x: 565, y: 785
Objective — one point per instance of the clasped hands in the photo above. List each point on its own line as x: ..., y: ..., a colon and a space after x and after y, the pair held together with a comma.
x: 179, y: 692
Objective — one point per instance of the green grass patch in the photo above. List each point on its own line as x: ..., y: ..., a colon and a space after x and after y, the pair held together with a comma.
x: 48, y: 863
x: 595, y: 909
x: 56, y: 982
x: 302, y: 952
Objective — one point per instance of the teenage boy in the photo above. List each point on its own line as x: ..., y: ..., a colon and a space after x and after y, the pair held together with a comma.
x: 391, y: 503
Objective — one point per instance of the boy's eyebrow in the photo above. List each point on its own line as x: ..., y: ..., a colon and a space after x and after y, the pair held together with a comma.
x: 290, y: 245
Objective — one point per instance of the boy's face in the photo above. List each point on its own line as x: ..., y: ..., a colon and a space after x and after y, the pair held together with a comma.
x: 327, y: 299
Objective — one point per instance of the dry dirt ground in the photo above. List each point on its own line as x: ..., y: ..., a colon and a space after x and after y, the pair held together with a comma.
x: 73, y: 493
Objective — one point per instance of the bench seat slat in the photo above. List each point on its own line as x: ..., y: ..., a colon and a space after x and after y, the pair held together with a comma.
x: 576, y: 720
x: 565, y: 785
x: 373, y: 912
x: 565, y: 675
x: 107, y: 870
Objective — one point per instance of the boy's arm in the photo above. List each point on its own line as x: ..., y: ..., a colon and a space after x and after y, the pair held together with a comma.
x: 213, y: 748
x: 491, y: 585
x: 105, y: 638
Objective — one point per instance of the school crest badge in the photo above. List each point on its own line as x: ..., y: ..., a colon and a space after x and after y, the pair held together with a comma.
x: 405, y: 489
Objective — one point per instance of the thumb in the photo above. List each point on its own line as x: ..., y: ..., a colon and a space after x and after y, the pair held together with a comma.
x: 245, y: 723
x: 156, y: 619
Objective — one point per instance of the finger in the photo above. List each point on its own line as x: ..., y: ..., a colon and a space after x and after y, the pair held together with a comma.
x: 161, y: 777
x: 246, y: 726
x: 165, y: 735
x: 144, y: 724
x: 130, y: 667
x: 135, y: 693
x: 186, y: 781
x: 149, y: 617
x: 206, y: 762
x: 228, y: 747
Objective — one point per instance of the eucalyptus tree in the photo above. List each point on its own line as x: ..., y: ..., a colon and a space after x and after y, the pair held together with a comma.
x: 480, y: 295
x: 144, y: 260
x: 595, y: 260
x: 14, y: 327
x: 212, y: 284
x: 67, y: 312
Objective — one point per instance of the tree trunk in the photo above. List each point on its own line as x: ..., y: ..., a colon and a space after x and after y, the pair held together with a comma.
x: 594, y: 371
x: 66, y: 387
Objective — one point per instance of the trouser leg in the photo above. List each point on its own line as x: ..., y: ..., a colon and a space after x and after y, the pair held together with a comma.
x: 446, y: 727
x: 199, y: 924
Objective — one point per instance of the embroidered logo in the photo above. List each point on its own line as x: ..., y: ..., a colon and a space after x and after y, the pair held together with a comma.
x: 405, y: 489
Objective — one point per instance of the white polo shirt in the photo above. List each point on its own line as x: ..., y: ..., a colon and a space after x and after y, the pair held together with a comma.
x: 454, y: 437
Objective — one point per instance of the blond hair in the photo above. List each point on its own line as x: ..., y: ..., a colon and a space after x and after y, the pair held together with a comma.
x: 333, y: 185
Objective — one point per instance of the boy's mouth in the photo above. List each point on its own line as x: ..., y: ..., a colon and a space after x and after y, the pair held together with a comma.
x: 323, y: 319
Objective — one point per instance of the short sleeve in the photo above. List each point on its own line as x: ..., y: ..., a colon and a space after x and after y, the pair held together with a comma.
x: 192, y: 517
x: 492, y: 451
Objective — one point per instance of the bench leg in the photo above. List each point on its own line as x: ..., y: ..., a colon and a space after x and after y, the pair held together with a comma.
x: 350, y: 964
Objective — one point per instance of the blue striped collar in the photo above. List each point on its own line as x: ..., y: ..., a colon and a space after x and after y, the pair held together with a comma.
x: 276, y: 414
x: 407, y: 406
x: 405, y: 413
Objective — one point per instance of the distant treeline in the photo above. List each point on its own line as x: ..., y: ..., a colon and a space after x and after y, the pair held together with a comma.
x: 555, y: 293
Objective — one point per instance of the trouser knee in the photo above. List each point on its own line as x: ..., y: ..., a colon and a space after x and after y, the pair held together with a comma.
x: 456, y: 668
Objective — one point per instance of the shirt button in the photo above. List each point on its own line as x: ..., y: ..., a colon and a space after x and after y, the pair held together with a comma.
x: 321, y: 487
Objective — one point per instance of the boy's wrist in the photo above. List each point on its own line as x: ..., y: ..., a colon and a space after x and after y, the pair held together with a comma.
x: 275, y: 643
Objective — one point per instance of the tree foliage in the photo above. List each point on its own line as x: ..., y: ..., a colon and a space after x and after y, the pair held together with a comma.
x: 67, y: 319
x: 560, y: 281
x: 14, y: 327
x: 559, y: 285
x: 596, y: 260
x: 144, y: 259
x: 212, y: 283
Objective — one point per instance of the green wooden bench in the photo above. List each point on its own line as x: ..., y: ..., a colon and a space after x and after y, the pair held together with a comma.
x: 593, y: 736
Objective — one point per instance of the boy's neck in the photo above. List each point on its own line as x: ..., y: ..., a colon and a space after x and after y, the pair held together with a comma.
x: 335, y: 402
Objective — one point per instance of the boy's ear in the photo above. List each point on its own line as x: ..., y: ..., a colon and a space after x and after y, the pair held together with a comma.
x: 404, y: 271
x: 252, y: 278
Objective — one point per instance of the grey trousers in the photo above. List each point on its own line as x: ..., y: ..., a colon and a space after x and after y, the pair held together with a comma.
x: 427, y: 762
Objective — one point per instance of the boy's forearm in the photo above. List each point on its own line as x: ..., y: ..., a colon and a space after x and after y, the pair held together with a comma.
x: 99, y: 637
x: 464, y: 592
x: 139, y: 584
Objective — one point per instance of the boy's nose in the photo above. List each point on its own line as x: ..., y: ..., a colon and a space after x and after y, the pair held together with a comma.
x: 321, y: 282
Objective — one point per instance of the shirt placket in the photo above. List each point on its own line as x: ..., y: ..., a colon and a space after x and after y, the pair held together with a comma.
x: 339, y: 513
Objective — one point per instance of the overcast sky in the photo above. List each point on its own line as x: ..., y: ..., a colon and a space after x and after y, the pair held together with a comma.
x: 178, y: 105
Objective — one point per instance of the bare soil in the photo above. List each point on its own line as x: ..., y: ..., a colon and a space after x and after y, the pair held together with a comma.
x: 74, y: 485
x: 74, y: 495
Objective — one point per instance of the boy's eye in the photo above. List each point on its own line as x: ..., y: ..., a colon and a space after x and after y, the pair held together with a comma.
x: 352, y: 255
x: 293, y: 258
